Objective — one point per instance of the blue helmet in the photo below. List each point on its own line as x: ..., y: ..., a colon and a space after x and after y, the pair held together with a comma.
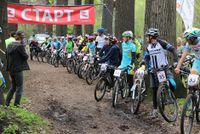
x: 101, y: 30
x: 191, y: 33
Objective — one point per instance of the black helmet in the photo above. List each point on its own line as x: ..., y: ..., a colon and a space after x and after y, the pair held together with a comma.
x: 153, y: 32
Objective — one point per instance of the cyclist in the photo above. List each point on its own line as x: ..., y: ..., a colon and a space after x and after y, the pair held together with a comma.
x: 91, y: 45
x: 63, y: 43
x: 70, y: 44
x: 193, y: 45
x: 155, y: 57
x: 34, y: 45
x: 100, y: 39
x: 56, y: 45
x: 179, y: 45
x: 105, y: 48
x: 128, y: 54
x: 113, y: 55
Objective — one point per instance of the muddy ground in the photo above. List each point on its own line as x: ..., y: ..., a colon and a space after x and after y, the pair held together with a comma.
x: 68, y: 103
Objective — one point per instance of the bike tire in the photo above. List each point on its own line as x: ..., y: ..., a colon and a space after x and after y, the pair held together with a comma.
x: 189, y: 100
x: 115, y: 93
x: 161, y: 104
x: 135, y: 103
x: 80, y: 70
x: 97, y: 88
x: 89, y: 75
x: 69, y: 65
x: 198, y: 108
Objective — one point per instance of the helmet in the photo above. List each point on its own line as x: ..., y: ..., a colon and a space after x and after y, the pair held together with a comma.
x: 113, y: 39
x: 153, y: 32
x: 91, y: 38
x: 101, y: 30
x: 86, y: 35
x: 127, y: 34
x: 191, y: 33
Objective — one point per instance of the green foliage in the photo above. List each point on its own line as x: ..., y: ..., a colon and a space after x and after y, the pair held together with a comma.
x: 17, y: 120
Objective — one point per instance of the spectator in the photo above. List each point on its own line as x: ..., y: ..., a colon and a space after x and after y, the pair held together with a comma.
x: 179, y: 45
x: 11, y: 39
x: 16, y: 63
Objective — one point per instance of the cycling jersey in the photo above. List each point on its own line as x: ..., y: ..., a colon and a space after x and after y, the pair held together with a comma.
x: 91, y: 47
x: 155, y: 54
x: 112, y: 57
x: 101, y: 41
x: 70, y: 47
x: 127, y: 49
x: 64, y: 43
x: 196, y: 50
x: 56, y: 45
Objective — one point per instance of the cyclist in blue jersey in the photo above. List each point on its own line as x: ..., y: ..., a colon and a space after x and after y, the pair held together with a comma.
x: 128, y: 54
x: 192, y: 46
x: 91, y: 45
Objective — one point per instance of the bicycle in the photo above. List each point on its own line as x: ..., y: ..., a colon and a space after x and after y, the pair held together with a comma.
x: 105, y: 82
x: 120, y: 85
x: 92, y: 71
x: 138, y: 90
x: 165, y: 95
x: 191, y: 105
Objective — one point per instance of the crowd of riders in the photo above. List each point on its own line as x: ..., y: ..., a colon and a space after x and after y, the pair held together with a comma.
x: 129, y: 52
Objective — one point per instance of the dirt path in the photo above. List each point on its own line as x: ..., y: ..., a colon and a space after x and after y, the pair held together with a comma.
x: 68, y: 103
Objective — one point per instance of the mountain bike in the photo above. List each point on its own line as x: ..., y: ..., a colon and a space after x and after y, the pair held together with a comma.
x: 120, y: 85
x: 105, y: 82
x: 191, y: 106
x: 138, y: 90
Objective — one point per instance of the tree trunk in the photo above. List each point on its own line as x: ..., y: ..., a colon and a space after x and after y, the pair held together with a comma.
x: 107, y: 18
x: 61, y: 30
x: 49, y: 28
x: 161, y: 14
x: 124, y: 19
x: 89, y: 28
x: 77, y: 28
x: 3, y: 25
x: 12, y: 27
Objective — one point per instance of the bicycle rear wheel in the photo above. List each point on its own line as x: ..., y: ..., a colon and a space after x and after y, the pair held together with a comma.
x: 167, y: 103
x: 187, y: 116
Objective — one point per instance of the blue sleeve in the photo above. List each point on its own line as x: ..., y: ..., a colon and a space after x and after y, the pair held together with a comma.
x: 133, y: 48
x: 186, y: 48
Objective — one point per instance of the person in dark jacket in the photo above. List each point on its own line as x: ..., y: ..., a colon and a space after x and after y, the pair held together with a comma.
x: 16, y: 63
x: 105, y: 48
x: 112, y: 57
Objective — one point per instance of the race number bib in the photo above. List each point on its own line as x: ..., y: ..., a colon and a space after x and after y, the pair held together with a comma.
x: 69, y: 56
x: 117, y: 73
x: 103, y: 67
x: 161, y: 76
x: 85, y: 58
x: 193, y: 79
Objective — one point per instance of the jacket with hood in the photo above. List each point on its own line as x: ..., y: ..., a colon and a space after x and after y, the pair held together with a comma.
x: 16, y: 58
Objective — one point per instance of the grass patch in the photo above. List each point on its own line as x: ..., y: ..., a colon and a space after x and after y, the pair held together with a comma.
x: 15, y: 120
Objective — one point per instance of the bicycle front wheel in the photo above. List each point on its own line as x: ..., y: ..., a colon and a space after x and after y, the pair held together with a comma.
x: 115, y: 93
x: 167, y: 103
x: 187, y: 116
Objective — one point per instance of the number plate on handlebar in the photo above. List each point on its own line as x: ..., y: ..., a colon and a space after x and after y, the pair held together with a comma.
x: 69, y: 56
x: 103, y: 67
x: 161, y: 76
x: 117, y: 73
x: 193, y: 80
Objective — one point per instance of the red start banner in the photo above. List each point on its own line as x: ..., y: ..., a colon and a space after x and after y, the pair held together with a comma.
x: 31, y: 14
